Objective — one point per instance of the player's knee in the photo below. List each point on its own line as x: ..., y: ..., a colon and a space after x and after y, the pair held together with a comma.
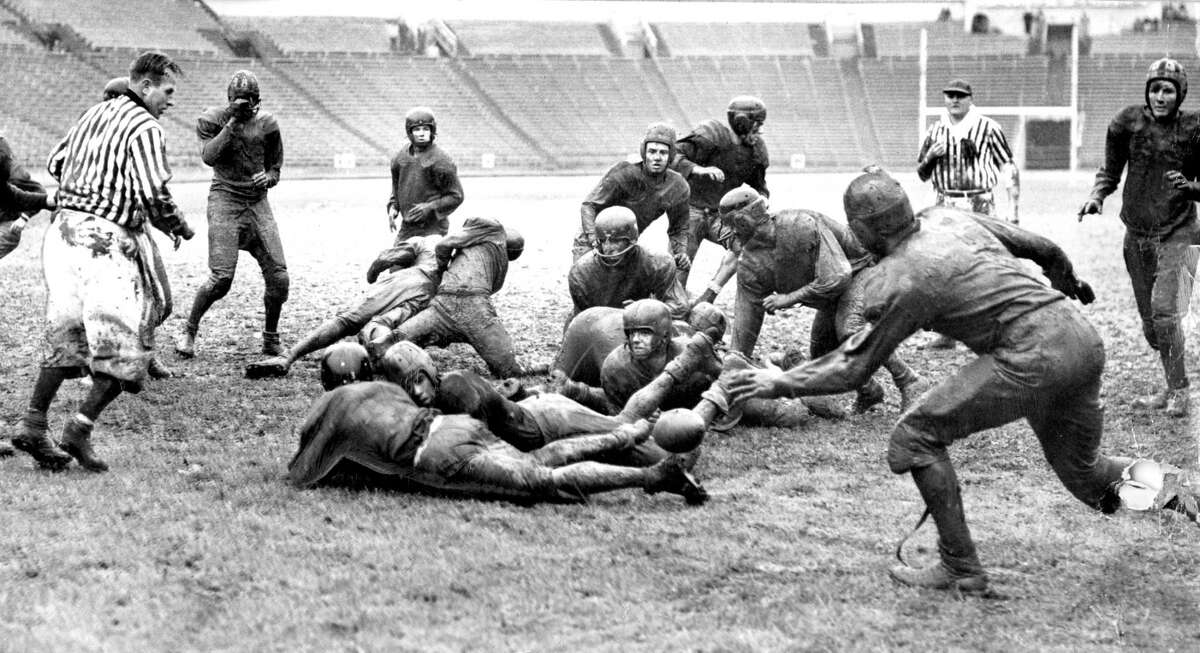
x: 277, y: 286
x: 911, y: 448
x: 218, y: 286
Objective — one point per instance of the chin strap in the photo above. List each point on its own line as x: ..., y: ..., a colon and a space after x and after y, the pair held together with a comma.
x: 903, y: 540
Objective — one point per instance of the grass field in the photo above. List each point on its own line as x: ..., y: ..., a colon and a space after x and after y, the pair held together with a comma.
x: 195, y: 542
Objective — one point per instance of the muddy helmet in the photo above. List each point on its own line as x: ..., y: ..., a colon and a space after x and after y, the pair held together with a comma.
x: 876, y: 203
x: 403, y: 361
x: 615, y: 223
x: 116, y: 87
x: 648, y: 314
x: 420, y: 116
x: 743, y: 112
x: 743, y: 209
x: 514, y: 243
x: 660, y: 132
x: 1170, y: 70
x: 344, y: 363
x: 243, y: 84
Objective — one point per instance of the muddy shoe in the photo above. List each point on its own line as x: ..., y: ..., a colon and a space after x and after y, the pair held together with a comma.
x: 910, y: 392
x: 940, y: 342
x: 869, y: 396
x: 268, y: 368
x: 157, y: 370
x: 185, y: 344
x: 32, y: 439
x: 1156, y: 401
x: 77, y: 441
x: 1177, y: 402
x: 271, y: 345
x: 671, y: 475
x: 939, y: 577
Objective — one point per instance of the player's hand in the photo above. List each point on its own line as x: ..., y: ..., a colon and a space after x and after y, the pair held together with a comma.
x: 706, y: 297
x: 240, y: 111
x: 683, y: 262
x: 261, y: 180
x: 181, y: 234
x: 711, y: 172
x: 748, y: 384
x: 776, y: 302
x: 1084, y: 292
x: 936, y: 151
x: 393, y: 213
x: 419, y: 212
x: 1092, y: 206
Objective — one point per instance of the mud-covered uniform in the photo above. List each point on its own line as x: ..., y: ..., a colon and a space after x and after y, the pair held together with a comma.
x: 399, y: 291
x: 713, y: 143
x: 476, y: 262
x: 1160, y: 221
x: 816, y: 262
x: 427, y: 178
x: 1038, y: 359
x: 648, y: 196
x: 239, y: 215
x: 640, y: 275
x: 375, y: 425
x: 20, y: 195
x: 587, y: 341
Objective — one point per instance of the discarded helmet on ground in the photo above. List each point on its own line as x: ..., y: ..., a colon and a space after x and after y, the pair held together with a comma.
x: 344, y: 363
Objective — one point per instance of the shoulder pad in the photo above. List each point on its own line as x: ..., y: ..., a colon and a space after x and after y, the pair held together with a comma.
x: 268, y: 122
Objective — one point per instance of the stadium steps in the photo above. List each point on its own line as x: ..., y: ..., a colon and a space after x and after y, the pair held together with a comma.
x: 667, y: 102
x: 333, y: 117
x: 863, y: 124
x: 610, y: 40
x: 494, y: 107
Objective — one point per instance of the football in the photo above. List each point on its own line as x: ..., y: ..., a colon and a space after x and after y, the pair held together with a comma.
x: 679, y: 430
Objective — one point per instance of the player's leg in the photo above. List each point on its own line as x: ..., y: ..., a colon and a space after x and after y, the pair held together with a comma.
x: 849, y: 319
x: 267, y: 248
x: 697, y: 230
x: 224, y: 239
x: 1173, y: 277
x: 483, y: 330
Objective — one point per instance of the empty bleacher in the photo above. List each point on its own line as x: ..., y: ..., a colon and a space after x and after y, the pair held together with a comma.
x: 1176, y: 39
x: 944, y: 39
x: 685, y: 39
x: 35, y: 114
x: 164, y: 24
x: 306, y: 34
x: 488, y: 37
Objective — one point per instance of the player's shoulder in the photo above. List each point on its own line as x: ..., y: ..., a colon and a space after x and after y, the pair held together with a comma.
x: 267, y: 122
x: 212, y: 116
x: 676, y: 185
x: 655, y: 262
x: 1130, y: 115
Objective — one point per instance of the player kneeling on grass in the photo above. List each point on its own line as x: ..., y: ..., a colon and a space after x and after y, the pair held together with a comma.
x: 376, y: 426
x: 403, y: 280
x: 1039, y: 359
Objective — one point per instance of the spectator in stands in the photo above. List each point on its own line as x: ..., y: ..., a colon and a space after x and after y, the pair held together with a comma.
x: 963, y: 153
x: 245, y: 149
x: 104, y: 294
x: 425, y: 186
x: 715, y: 158
x: 1155, y: 142
x: 649, y: 189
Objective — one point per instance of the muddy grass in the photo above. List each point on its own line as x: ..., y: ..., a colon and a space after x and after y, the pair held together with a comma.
x: 194, y: 542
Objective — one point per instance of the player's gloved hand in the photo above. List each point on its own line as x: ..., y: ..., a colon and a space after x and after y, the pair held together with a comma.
x: 393, y: 213
x: 712, y: 172
x: 682, y: 261
x: 1091, y: 207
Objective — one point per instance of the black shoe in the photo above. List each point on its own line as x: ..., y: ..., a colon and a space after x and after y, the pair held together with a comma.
x: 157, y: 370
x: 940, y: 577
x: 77, y: 441
x: 671, y: 475
x: 43, y: 450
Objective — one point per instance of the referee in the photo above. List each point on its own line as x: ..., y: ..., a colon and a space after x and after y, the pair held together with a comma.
x: 104, y: 294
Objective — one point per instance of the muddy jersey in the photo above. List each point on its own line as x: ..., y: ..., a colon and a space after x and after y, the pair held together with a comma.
x: 239, y: 151
x: 648, y: 196
x: 1147, y: 149
x: 713, y: 143
x: 958, y: 275
x: 425, y: 176
x: 477, y: 258
x: 807, y: 253
x: 622, y: 376
x: 642, y: 275
x: 19, y: 193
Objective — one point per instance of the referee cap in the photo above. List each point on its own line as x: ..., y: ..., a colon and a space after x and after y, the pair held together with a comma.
x: 958, y: 86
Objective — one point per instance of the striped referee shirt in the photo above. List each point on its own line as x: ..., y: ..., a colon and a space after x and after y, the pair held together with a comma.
x: 113, y: 165
x: 974, y: 167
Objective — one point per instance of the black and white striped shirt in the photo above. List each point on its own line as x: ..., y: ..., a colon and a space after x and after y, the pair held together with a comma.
x: 960, y: 169
x: 113, y: 164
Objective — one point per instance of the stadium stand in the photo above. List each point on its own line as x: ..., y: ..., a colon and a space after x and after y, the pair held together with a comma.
x: 165, y: 24
x: 945, y: 39
x: 36, y: 114
x: 488, y: 37
x: 11, y: 35
x: 385, y: 87
x: 685, y: 39
x: 306, y: 34
x: 1175, y: 39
